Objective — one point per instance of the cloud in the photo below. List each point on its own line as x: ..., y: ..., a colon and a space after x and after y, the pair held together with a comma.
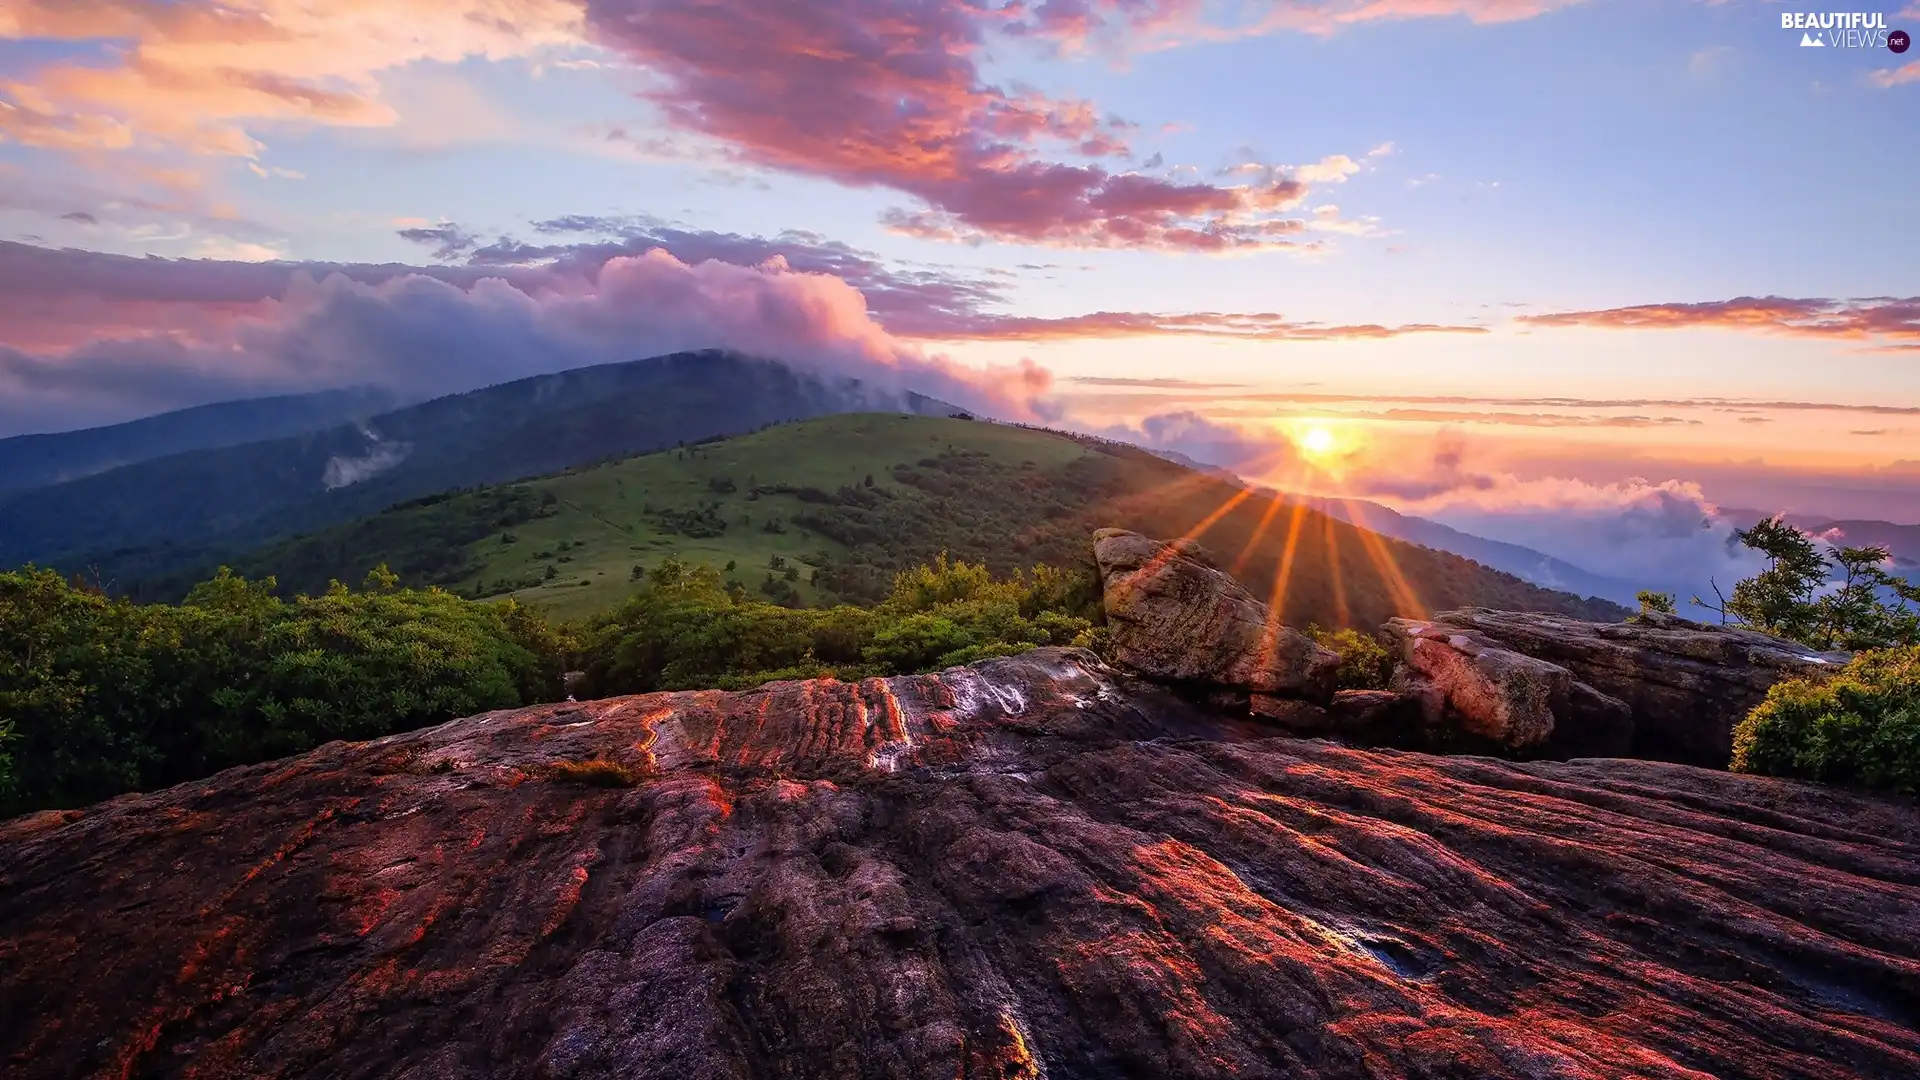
x: 870, y: 93
x: 1208, y: 442
x: 80, y: 217
x: 1196, y: 395
x: 1887, y: 78
x: 423, y: 335
x: 203, y: 77
x: 1114, y: 324
x: 866, y: 93
x: 1663, y: 534
x: 1157, y: 383
x: 1892, y: 321
x: 1515, y: 419
x: 448, y: 240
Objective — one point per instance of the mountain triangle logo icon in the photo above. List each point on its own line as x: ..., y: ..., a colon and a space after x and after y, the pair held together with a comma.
x: 1808, y: 41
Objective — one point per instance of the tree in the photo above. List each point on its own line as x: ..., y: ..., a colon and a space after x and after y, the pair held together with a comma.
x: 1656, y: 603
x: 1798, y: 597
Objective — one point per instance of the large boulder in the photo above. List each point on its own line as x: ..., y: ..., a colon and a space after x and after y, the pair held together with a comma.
x: 1175, y: 617
x: 1661, y: 687
x: 1031, y: 867
x: 1474, y: 693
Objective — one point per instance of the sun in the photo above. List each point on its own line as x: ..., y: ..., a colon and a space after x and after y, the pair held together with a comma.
x: 1316, y: 441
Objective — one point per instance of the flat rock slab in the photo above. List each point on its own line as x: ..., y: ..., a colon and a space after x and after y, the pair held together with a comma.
x: 1029, y: 868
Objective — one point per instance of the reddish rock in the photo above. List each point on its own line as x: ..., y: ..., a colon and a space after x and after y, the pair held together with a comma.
x: 1175, y: 617
x: 1684, y: 684
x: 1029, y: 868
x: 1382, y: 714
x: 1539, y: 684
x: 1303, y: 717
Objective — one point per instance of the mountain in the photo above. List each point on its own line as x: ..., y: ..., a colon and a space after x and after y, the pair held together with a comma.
x: 31, y: 461
x: 171, y: 513
x: 1523, y: 562
x: 1031, y: 867
x: 846, y: 501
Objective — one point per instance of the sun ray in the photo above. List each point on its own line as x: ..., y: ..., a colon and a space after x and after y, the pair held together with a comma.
x: 1404, y: 598
x: 1253, y: 541
x: 1341, y: 615
x: 1277, y: 598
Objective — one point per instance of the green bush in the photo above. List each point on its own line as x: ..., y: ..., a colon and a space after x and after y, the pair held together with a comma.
x: 1858, y: 726
x: 1365, y: 662
x: 686, y: 629
x: 100, y: 696
x: 106, y: 696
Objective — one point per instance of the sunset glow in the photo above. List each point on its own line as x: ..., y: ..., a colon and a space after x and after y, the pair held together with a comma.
x: 1102, y: 222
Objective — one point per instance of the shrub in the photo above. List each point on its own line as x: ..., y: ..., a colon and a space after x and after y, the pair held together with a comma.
x: 1654, y: 603
x: 106, y: 696
x: 1365, y: 661
x: 1858, y: 726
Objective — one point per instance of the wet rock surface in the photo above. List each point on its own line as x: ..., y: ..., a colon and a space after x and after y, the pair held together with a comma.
x: 1665, y: 688
x: 1177, y: 618
x: 1029, y: 868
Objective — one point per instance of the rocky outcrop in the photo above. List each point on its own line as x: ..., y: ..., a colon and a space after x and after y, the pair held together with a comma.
x: 1034, y: 867
x: 1175, y: 617
x: 1662, y: 688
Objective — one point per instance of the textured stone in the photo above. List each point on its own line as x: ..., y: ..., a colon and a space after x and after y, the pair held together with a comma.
x: 1472, y: 692
x: 1381, y: 714
x: 1175, y: 617
x: 1031, y: 867
x: 1684, y: 685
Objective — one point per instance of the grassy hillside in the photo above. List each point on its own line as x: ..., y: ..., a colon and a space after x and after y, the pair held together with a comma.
x: 164, y: 516
x: 831, y: 508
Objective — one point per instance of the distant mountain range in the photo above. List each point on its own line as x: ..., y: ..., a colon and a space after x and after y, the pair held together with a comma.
x: 1522, y: 562
x: 31, y: 461
x: 172, y: 513
x: 1901, y: 541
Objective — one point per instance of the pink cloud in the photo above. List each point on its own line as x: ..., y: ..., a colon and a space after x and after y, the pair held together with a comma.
x: 1116, y: 324
x: 202, y: 76
x: 871, y: 93
x: 234, y: 330
x: 1892, y: 321
x: 1886, y: 78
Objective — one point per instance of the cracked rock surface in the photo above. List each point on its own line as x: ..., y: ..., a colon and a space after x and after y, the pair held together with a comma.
x: 1033, y: 867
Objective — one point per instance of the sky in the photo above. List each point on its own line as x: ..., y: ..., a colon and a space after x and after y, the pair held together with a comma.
x: 1508, y: 263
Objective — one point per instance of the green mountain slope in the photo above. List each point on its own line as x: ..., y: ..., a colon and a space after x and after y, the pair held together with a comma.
x: 168, y: 515
x: 831, y: 508
x: 31, y: 461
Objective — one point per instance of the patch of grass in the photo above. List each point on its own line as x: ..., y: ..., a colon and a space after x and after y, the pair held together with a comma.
x: 593, y: 772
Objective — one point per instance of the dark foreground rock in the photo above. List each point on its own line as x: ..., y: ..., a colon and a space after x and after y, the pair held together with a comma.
x: 1031, y: 868
x: 1545, y: 685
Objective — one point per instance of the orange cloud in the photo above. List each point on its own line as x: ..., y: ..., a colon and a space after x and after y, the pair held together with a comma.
x: 202, y: 77
x: 1891, y: 77
x: 1265, y: 326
